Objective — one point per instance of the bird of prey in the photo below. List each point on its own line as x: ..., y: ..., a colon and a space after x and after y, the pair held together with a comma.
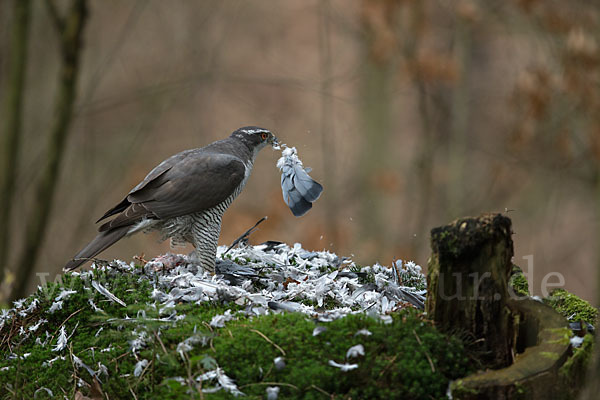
x: 184, y: 197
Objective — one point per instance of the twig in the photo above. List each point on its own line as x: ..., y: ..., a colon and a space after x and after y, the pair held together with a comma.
x: 245, y: 236
x: 321, y: 390
x: 268, y: 340
x: 389, y: 364
x: 211, y: 331
x: 141, y: 259
x: 65, y: 321
x: 121, y: 356
x: 188, y: 368
x: 74, y: 369
x: 425, y: 351
x: 160, y: 341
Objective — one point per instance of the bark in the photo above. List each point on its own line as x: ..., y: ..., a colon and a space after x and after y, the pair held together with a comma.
x: 468, y: 283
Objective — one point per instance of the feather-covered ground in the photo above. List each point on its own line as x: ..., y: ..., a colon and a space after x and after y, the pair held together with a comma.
x: 296, y: 321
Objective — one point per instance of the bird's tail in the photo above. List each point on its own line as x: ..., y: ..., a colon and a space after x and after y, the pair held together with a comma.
x: 103, y: 241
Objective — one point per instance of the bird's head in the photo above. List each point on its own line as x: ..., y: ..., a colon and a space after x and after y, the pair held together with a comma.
x: 255, y: 138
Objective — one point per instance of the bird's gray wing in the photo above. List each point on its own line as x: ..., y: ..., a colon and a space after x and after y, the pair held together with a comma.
x: 196, y: 182
x: 152, y: 176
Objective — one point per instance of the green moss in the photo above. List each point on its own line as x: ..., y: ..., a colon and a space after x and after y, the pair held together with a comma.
x: 521, y: 392
x: 395, y: 365
x: 574, y: 370
x: 571, y: 306
x: 548, y: 354
x: 459, y: 390
x: 563, y: 335
x: 405, y: 359
x: 518, y: 282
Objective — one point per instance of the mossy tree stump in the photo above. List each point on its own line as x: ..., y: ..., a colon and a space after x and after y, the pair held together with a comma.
x: 468, y: 283
x: 468, y: 292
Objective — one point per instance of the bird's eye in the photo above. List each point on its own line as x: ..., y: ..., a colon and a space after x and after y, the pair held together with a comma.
x: 264, y: 136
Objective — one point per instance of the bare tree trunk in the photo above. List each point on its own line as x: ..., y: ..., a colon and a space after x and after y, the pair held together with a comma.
x: 379, y: 48
x: 424, y: 169
x: 425, y: 153
x: 327, y: 128
x: 13, y: 118
x: 70, y: 30
x: 457, y: 145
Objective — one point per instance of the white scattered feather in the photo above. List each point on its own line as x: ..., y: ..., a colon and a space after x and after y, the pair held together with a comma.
x: 80, y: 364
x: 139, y: 342
x: 64, y: 294
x: 318, y: 330
x: 57, y: 305
x: 218, y: 321
x: 5, y: 316
x: 37, y: 325
x: 188, y: 344
x: 102, y: 369
x: 103, y: 291
x: 139, y: 367
x: 279, y: 363
x: 19, y: 303
x: 45, y: 389
x: 25, y: 312
x: 224, y: 382
x: 94, y: 306
x: 364, y: 332
x: 272, y: 392
x: 576, y: 341
x: 355, y: 351
x: 343, y: 367
x: 61, y: 342
x: 288, y: 155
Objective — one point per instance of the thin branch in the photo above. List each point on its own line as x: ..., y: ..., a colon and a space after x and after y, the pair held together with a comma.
x: 268, y: 340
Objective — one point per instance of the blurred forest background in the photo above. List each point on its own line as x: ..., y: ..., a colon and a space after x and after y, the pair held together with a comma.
x: 411, y: 113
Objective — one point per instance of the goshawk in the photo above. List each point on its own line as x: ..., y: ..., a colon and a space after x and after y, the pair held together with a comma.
x: 184, y: 197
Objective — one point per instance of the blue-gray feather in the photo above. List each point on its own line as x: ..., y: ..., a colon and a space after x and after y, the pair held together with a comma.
x: 299, y: 189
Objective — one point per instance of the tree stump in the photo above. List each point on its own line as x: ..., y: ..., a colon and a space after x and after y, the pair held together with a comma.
x: 468, y: 283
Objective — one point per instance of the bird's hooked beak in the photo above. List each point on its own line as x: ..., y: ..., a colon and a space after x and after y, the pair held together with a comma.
x: 272, y: 140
